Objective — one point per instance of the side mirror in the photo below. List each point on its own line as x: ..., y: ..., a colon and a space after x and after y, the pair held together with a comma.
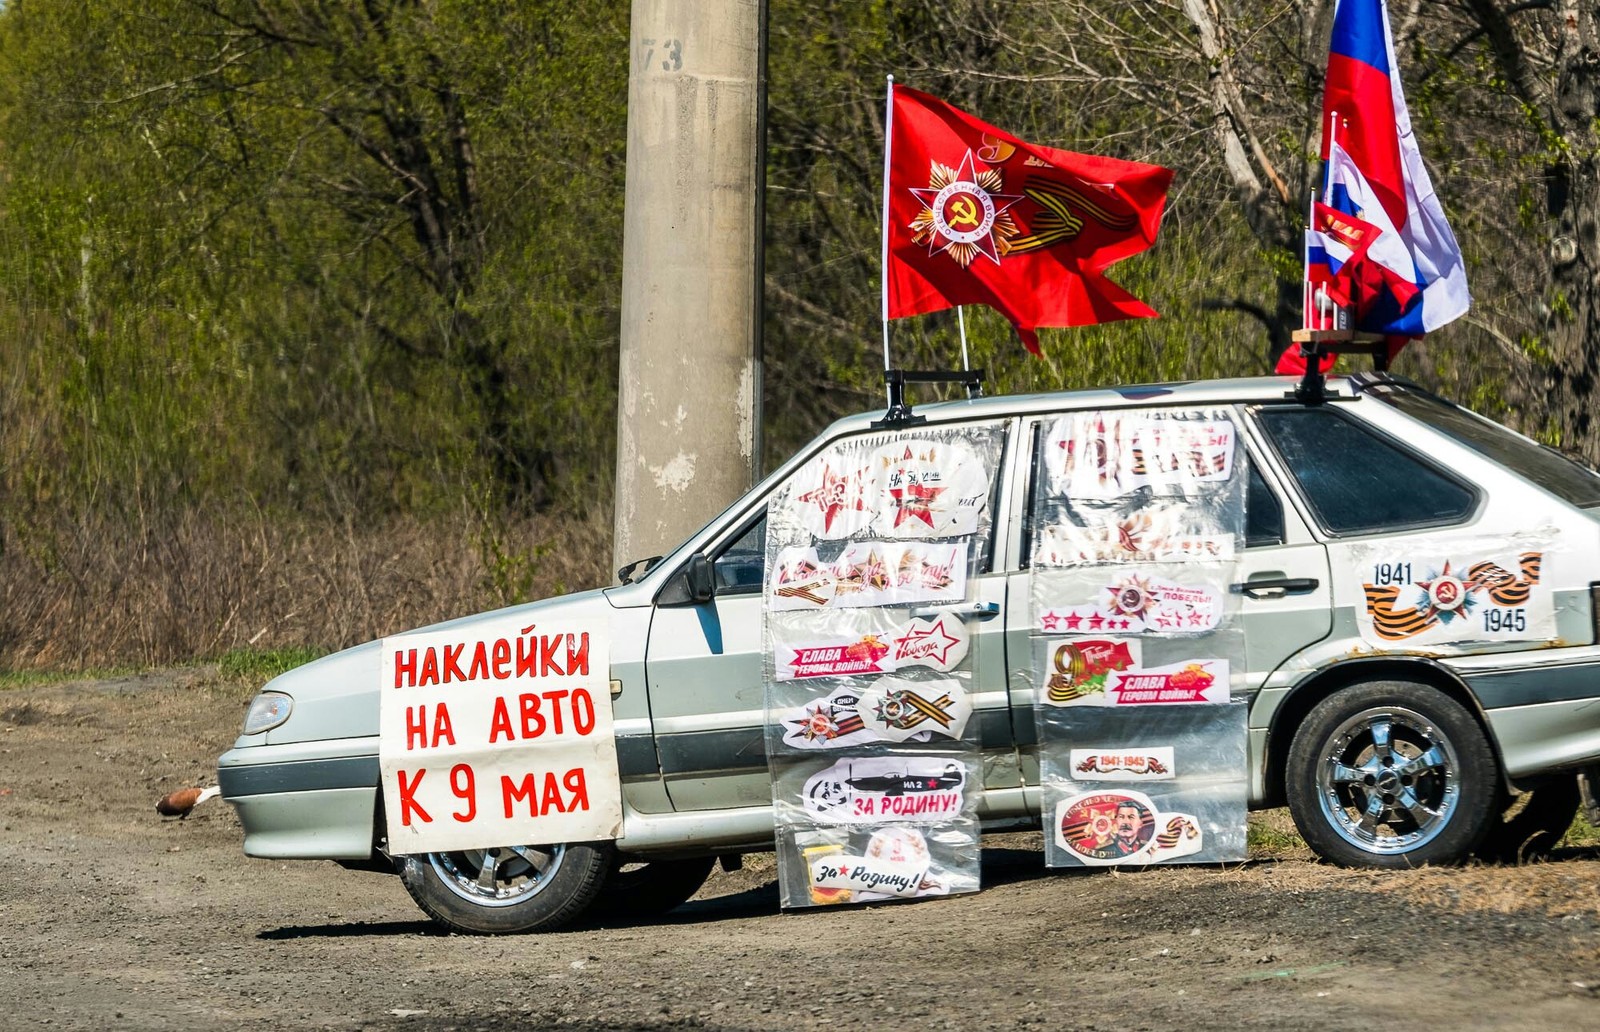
x: 693, y: 584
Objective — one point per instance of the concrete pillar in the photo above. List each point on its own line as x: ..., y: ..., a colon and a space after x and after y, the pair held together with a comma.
x: 690, y: 377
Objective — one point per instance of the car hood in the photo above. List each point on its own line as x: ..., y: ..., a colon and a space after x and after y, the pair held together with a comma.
x: 337, y: 696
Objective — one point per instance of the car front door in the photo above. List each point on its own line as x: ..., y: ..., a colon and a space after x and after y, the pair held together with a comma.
x: 705, y: 667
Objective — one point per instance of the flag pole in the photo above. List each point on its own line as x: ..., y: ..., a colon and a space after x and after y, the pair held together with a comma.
x: 888, y: 144
x: 961, y: 321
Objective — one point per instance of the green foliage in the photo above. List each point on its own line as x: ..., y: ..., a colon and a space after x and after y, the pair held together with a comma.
x: 264, y: 664
x: 353, y: 260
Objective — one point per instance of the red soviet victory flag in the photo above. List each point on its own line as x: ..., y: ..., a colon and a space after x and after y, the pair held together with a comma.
x: 976, y: 216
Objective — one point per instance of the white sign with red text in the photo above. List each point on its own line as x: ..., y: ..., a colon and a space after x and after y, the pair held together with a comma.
x: 498, y: 734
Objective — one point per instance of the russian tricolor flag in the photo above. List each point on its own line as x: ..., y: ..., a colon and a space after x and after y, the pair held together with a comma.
x: 1373, y: 171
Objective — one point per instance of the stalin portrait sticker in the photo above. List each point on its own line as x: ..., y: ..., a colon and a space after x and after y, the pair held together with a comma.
x: 1101, y: 829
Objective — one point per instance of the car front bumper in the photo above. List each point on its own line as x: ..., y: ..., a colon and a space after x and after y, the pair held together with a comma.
x: 304, y: 800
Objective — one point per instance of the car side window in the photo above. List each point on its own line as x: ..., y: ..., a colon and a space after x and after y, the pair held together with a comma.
x: 1356, y: 480
x: 1263, y: 513
x: 737, y: 567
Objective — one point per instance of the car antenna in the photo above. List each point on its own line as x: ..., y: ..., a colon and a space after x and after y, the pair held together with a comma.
x: 899, y: 413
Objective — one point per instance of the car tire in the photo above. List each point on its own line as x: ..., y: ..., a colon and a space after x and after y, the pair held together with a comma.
x: 1391, y: 774
x: 652, y: 887
x: 1534, y: 829
x: 509, y: 889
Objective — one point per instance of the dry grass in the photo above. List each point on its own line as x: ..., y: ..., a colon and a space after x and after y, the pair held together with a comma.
x: 96, y: 592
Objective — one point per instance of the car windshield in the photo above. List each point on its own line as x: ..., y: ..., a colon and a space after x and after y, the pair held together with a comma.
x: 1535, y: 462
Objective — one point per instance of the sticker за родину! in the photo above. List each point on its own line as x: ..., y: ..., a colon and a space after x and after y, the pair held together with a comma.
x: 878, y: 789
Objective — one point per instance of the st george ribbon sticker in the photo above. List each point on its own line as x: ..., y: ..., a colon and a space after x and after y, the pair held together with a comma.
x: 868, y: 574
x: 873, y: 790
x: 893, y: 709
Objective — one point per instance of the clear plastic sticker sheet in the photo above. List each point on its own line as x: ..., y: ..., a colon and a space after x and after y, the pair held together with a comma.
x: 880, y: 828
x: 870, y: 737
x: 1141, y: 785
x: 860, y: 679
x: 916, y: 485
x: 1147, y: 487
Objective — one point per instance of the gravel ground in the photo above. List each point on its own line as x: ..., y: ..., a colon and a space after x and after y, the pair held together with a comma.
x: 113, y: 918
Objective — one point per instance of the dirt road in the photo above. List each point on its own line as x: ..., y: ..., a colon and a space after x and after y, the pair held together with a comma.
x: 113, y: 918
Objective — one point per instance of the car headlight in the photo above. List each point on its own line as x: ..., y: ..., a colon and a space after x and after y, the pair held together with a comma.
x: 267, y: 711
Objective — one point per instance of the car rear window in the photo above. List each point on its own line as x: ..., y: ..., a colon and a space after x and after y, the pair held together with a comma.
x: 1541, y: 465
x: 1357, y: 481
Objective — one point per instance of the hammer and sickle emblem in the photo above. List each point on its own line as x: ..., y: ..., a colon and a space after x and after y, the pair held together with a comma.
x: 963, y: 212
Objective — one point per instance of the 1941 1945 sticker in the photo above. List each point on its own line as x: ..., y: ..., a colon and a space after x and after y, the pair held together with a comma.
x: 1461, y: 597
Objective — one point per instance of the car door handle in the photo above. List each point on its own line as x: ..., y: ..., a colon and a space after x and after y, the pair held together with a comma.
x: 1276, y: 587
x: 976, y: 610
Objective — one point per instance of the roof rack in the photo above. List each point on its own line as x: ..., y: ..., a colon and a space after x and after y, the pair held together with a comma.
x: 1314, y: 344
x: 899, y: 413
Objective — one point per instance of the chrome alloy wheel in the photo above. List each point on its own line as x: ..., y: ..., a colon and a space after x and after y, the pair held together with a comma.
x: 1388, y: 780
x: 498, y: 877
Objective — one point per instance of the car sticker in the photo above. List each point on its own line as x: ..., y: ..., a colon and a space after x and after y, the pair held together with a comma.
x: 925, y: 489
x: 1452, y: 594
x: 1104, y: 454
x: 1130, y: 603
x: 865, y: 642
x: 1151, y: 763
x: 867, y: 574
x: 895, y: 863
x: 1108, y: 672
x: 1102, y: 829
x: 891, y: 710
x: 1153, y: 533
x: 871, y: 790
